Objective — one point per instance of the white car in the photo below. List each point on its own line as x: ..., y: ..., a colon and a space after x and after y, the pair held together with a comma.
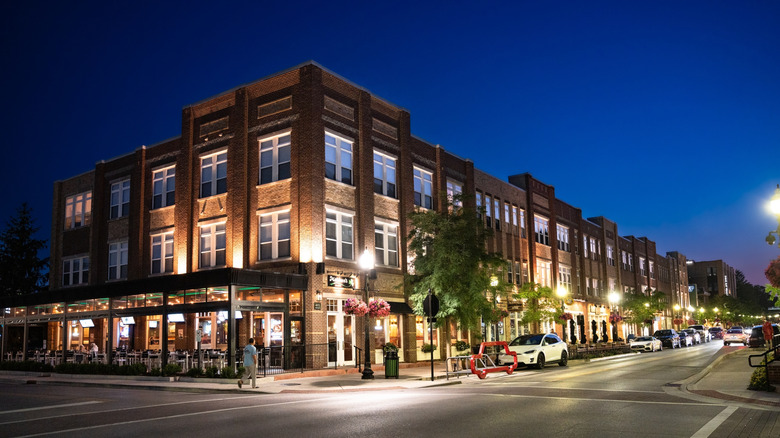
x: 646, y: 343
x: 735, y: 334
x: 537, y: 350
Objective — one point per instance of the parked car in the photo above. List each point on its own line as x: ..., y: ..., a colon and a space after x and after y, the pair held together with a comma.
x: 669, y: 337
x: 703, y: 332
x: 646, y: 343
x: 716, y: 332
x: 756, y: 338
x: 537, y: 350
x: 686, y: 340
x: 695, y: 336
x: 735, y: 334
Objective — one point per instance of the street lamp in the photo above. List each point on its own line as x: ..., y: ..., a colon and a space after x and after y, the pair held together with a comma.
x: 774, y: 208
x: 366, y: 262
x: 676, y: 314
x: 613, y: 299
x: 561, y: 292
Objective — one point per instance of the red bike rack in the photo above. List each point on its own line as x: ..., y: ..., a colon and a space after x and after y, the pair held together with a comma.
x: 486, y: 362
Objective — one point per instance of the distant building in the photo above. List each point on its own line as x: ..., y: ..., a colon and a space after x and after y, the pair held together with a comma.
x: 712, y: 278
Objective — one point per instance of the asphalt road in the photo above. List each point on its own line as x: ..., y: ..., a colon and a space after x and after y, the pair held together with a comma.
x: 627, y: 397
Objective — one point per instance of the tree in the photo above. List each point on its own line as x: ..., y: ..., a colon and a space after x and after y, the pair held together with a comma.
x: 450, y: 258
x: 21, y: 270
x: 539, y: 304
x: 641, y: 309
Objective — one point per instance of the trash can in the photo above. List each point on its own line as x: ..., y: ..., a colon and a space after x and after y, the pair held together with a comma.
x: 391, y: 364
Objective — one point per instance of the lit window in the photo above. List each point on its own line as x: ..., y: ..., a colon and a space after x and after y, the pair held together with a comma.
x: 78, y: 210
x: 386, y: 244
x: 479, y: 205
x: 213, y: 174
x: 162, y: 253
x: 212, y: 245
x: 585, y: 245
x: 453, y: 190
x: 610, y: 255
x: 274, y: 235
x: 563, y: 237
x: 384, y: 174
x: 117, y: 260
x: 423, y: 187
x: 338, y: 235
x: 497, y: 211
x: 275, y: 158
x: 642, y: 266
x: 507, y: 214
x: 652, y: 269
x: 120, y: 199
x: 75, y: 271
x: 163, y: 187
x: 593, y: 249
x: 522, y: 223
x: 543, y: 272
x: 542, y: 230
x: 564, y: 277
x: 338, y: 158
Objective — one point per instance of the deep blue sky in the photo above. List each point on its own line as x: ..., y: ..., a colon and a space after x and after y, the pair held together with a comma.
x: 661, y: 115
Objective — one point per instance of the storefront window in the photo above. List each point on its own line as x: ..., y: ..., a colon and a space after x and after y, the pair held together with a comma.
x: 249, y: 293
x: 217, y: 294
x: 273, y: 296
x: 101, y: 304
x: 18, y: 311
x: 195, y: 296
x: 119, y: 303
x: 423, y: 334
x: 154, y: 332
x: 175, y: 298
x: 295, y: 302
x: 154, y: 299
x: 134, y: 301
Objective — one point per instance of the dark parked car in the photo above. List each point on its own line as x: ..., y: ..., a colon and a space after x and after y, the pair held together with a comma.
x: 757, y: 335
x: 686, y: 339
x: 716, y: 332
x: 669, y: 337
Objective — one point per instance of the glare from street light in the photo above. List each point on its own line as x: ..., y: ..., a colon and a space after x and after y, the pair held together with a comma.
x: 774, y: 203
x: 614, y: 297
x: 715, y: 309
x: 676, y: 307
x: 366, y: 260
x: 691, y: 309
x: 561, y: 291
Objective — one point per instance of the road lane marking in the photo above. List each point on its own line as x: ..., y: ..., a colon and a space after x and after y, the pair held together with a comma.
x: 15, y: 411
x: 713, y: 424
x: 551, y: 397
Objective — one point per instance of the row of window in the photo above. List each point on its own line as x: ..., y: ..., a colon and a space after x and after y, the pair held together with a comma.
x: 513, y: 216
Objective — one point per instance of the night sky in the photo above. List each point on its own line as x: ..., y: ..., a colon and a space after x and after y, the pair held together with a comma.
x: 663, y: 116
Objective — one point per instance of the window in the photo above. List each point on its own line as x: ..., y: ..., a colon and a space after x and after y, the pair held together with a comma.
x: 78, y: 210
x: 117, y: 260
x: 595, y: 287
x: 563, y: 237
x: 593, y: 249
x: 120, y: 199
x: 630, y: 263
x: 611, y: 284
x: 162, y: 253
x: 522, y: 223
x: 507, y: 215
x: 542, y: 230
x: 212, y: 245
x: 497, y: 211
x: 454, y: 189
x: 338, y: 235
x: 585, y: 246
x: 510, y: 277
x: 386, y: 244
x: 624, y: 260
x: 163, y: 187
x: 338, y: 158
x: 514, y: 218
x: 642, y: 266
x: 652, y: 269
x: 75, y: 271
x: 488, y: 208
x: 543, y: 273
x: 610, y: 255
x: 423, y: 186
x: 384, y: 174
x: 479, y: 205
x: 518, y: 274
x: 564, y: 277
x: 274, y: 235
x: 213, y: 174
x: 275, y: 158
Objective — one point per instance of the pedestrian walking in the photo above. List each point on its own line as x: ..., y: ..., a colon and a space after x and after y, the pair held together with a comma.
x: 250, y: 364
x: 768, y: 334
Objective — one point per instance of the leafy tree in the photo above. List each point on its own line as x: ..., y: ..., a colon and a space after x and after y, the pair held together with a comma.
x: 450, y: 258
x: 21, y: 270
x: 641, y: 308
x: 539, y: 303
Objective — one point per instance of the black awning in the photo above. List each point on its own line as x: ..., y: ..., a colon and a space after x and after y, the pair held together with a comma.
x: 400, y: 307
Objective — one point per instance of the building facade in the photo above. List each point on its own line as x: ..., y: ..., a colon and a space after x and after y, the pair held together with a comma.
x: 712, y: 278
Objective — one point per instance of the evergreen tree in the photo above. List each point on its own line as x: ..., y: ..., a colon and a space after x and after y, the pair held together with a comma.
x: 21, y: 270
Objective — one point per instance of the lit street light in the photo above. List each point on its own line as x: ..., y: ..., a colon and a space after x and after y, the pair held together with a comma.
x: 561, y: 292
x: 366, y: 265
x: 613, y: 299
x: 774, y: 208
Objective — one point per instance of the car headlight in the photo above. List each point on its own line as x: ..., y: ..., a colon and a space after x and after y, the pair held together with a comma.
x: 529, y: 351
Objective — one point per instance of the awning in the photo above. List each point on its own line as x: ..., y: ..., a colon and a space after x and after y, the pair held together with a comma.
x: 400, y: 308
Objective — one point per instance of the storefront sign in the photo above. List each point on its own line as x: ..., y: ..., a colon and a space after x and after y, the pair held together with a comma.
x: 338, y: 281
x: 317, y: 306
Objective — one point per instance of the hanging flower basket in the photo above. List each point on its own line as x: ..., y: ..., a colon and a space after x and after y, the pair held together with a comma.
x: 615, y: 318
x: 354, y: 306
x: 566, y: 316
x: 691, y: 321
x: 378, y: 308
x: 677, y: 321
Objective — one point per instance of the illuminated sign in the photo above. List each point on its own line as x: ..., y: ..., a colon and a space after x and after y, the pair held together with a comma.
x: 337, y: 281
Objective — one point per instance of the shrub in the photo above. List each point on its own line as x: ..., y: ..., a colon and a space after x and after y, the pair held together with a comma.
x: 229, y: 373
x: 194, y: 372
x: 211, y: 372
x: 427, y: 348
x: 390, y: 347
x: 171, y: 369
x: 155, y: 372
x: 27, y: 365
x: 461, y: 345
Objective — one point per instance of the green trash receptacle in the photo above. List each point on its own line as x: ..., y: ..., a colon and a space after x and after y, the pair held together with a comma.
x: 391, y: 364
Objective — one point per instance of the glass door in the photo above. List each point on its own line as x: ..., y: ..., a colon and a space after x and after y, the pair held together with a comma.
x: 341, y: 335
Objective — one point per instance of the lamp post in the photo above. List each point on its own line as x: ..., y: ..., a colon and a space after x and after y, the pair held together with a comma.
x: 613, y: 299
x: 774, y: 208
x: 366, y: 265
x: 676, y: 314
x: 561, y: 292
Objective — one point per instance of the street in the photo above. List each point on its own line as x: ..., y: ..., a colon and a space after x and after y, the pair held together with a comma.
x: 634, y: 396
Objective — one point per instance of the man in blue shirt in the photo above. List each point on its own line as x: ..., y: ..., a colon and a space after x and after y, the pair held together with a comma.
x: 250, y: 363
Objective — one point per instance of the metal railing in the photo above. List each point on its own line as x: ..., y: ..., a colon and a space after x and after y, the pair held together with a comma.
x: 765, y: 361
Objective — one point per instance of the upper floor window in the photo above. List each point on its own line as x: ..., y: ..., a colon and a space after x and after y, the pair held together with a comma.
x: 275, y: 158
x: 631, y: 263
x: 454, y: 189
x: 488, y: 210
x: 120, y: 199
x: 564, y: 277
x: 117, y: 260
x: 213, y: 174
x: 514, y: 218
x: 624, y: 260
x: 542, y: 230
x: 611, y: 284
x: 386, y: 244
x: 78, y: 210
x: 518, y: 274
x: 642, y: 266
x: 563, y: 237
x: 593, y: 248
x: 652, y: 269
x: 163, y: 187
x: 610, y: 255
x: 507, y: 215
x: 384, y: 174
x: 543, y: 273
x: 274, y: 235
x: 162, y: 253
x: 212, y: 245
x: 339, y: 239
x: 423, y: 187
x: 338, y: 158
x: 479, y: 205
x: 585, y: 246
x: 522, y: 223
x: 497, y: 211
x: 75, y: 271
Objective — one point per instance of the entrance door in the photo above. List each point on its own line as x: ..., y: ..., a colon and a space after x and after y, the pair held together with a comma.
x: 341, y: 335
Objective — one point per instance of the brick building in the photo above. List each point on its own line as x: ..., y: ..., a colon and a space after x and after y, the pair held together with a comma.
x: 712, y: 278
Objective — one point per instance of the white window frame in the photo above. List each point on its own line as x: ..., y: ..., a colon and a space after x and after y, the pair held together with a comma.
x: 342, y: 150
x: 651, y: 266
x: 488, y: 210
x: 117, y: 260
x: 218, y: 168
x: 212, y: 243
x: 341, y: 225
x: 522, y: 223
x: 423, y: 188
x: 274, y: 146
x: 595, y: 286
x: 162, y: 253
x: 497, y: 211
x: 544, y: 273
x: 83, y: 270
x: 593, y: 247
x: 479, y: 205
x: 163, y: 187
x: 78, y: 210
x: 385, y: 173
x: 120, y: 199
x: 610, y: 255
x: 275, y: 223
x: 564, y: 277
x: 454, y: 189
x: 585, y: 246
x: 386, y: 236
x: 542, y: 230
x: 563, y: 237
x: 642, y: 266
